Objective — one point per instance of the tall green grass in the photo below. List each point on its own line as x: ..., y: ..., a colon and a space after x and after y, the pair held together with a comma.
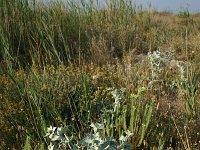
x: 64, y: 32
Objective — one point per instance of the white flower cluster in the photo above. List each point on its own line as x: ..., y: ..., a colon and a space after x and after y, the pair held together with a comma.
x: 119, y: 97
x: 158, y: 60
x: 58, y: 138
x: 91, y: 141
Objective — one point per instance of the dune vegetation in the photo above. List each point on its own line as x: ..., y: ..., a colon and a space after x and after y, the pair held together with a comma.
x: 80, y: 76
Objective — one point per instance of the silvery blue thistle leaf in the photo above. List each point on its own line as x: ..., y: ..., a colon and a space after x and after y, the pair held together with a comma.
x: 51, y: 147
x: 128, y: 133
x: 123, y: 138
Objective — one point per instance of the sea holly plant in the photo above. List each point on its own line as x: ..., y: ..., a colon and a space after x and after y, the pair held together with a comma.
x: 96, y: 141
x: 119, y: 97
x: 158, y: 60
x: 112, y: 117
x: 91, y: 141
x: 58, y: 138
x: 113, y: 121
x: 155, y: 63
x: 117, y: 119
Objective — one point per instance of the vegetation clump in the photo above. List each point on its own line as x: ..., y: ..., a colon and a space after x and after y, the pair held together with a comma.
x: 82, y: 76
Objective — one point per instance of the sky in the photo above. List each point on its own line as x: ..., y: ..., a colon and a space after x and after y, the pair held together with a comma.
x: 172, y: 5
x: 167, y: 5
